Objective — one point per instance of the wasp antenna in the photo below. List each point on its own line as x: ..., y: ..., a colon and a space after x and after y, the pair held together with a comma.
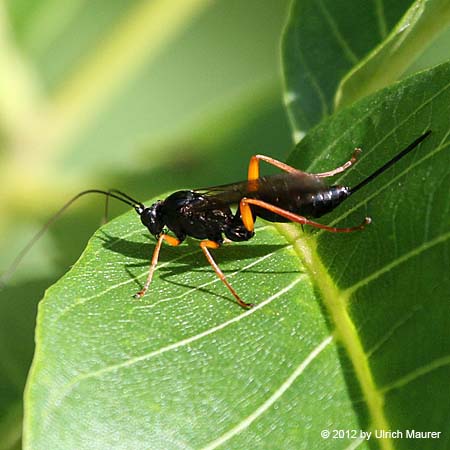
x: 126, y: 196
x: 137, y: 205
x: 390, y: 163
x: 6, y: 276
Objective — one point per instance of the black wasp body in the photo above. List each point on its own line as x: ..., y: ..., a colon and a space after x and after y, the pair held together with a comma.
x: 291, y: 196
x: 191, y: 213
x: 206, y: 214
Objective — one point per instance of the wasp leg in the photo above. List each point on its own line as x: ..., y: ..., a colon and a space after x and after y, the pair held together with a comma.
x: 344, y: 166
x: 171, y: 241
x: 205, y: 245
x: 253, y: 167
x: 247, y: 217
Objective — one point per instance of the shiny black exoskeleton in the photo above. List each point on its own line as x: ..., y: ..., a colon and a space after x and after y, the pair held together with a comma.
x: 189, y: 213
x: 209, y: 216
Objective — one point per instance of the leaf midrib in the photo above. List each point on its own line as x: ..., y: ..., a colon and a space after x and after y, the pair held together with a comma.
x: 335, y: 302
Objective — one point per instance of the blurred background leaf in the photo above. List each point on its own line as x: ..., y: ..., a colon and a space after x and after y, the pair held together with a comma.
x: 419, y: 40
x: 146, y: 96
x: 336, y: 52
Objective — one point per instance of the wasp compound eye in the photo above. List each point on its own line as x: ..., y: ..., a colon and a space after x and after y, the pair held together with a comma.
x: 152, y: 218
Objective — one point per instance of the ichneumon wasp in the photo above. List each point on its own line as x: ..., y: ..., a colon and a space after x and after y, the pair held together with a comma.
x: 205, y: 214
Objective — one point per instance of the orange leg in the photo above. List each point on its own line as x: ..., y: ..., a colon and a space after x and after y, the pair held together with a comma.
x: 253, y: 168
x: 171, y: 241
x: 205, y: 245
x: 344, y: 166
x: 247, y: 217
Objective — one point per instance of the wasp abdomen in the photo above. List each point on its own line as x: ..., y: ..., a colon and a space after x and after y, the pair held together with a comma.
x: 326, y: 200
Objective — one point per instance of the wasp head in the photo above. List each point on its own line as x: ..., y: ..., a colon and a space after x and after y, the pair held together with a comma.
x: 152, y: 218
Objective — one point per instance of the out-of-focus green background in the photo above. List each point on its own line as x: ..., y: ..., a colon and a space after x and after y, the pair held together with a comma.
x: 145, y: 96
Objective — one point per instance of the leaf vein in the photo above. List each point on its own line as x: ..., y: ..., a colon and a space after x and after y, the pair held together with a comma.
x: 417, y: 373
x: 57, y: 399
x: 314, y: 82
x: 379, y: 11
x: 350, y: 55
x: 272, y: 399
x: 81, y: 301
x: 396, y: 262
x: 215, y: 280
x: 405, y: 319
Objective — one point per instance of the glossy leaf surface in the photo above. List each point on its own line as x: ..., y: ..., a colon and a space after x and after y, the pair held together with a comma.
x: 349, y: 331
x: 336, y: 52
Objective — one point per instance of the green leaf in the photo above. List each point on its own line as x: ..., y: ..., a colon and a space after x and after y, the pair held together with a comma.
x: 133, y: 122
x: 323, y: 40
x: 123, y: 67
x: 417, y: 29
x: 349, y: 331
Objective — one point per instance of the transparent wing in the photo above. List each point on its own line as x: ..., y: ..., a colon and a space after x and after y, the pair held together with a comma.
x: 282, y: 183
